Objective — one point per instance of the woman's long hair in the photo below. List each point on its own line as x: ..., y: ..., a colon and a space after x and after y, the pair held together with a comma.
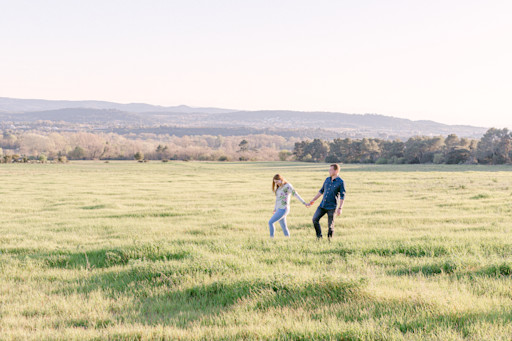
x: 277, y: 177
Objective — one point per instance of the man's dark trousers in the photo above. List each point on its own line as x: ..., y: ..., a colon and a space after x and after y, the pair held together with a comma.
x: 320, y: 212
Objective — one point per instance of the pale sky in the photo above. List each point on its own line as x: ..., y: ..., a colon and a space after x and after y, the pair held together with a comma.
x: 449, y: 61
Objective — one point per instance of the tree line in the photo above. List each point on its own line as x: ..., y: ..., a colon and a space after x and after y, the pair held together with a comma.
x: 495, y: 147
x: 37, y: 146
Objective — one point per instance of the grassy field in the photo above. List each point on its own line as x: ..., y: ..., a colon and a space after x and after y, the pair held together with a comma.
x: 180, y: 250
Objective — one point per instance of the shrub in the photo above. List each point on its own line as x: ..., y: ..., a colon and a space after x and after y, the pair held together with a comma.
x: 138, y: 156
x: 284, y: 155
x: 438, y: 158
x: 397, y: 160
x: 205, y: 157
x: 308, y: 158
x: 77, y: 153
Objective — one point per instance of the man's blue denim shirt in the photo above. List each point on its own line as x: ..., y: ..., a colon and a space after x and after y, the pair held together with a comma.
x: 331, y: 189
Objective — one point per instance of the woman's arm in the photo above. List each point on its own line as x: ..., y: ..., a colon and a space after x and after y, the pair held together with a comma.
x: 296, y: 194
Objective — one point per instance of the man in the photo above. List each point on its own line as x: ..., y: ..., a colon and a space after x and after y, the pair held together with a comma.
x: 332, y: 189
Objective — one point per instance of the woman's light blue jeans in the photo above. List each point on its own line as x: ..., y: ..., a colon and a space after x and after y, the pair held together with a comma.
x: 279, y: 216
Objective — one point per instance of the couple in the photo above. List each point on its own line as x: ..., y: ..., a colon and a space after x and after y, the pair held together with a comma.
x: 332, y: 189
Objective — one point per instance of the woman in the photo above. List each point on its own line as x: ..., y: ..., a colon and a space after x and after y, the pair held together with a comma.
x: 283, y: 192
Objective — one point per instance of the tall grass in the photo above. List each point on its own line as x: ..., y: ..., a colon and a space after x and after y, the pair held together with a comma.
x: 180, y: 250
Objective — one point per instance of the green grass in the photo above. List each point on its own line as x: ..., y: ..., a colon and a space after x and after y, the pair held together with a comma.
x: 180, y: 250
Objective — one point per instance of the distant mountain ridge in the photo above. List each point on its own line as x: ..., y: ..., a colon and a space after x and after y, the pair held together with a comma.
x: 15, y: 105
x: 77, y: 115
x: 105, y: 115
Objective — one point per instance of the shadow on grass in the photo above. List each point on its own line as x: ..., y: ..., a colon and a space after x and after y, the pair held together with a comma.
x: 430, y: 269
x: 161, y: 297
x: 463, y: 323
x: 452, y: 267
x: 104, y: 258
x: 147, y: 215
x: 411, y: 250
x: 162, y: 294
x: 339, y: 250
x: 183, y: 307
x: 495, y: 270
x: 93, y: 207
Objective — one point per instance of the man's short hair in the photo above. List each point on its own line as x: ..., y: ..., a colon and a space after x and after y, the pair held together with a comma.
x: 336, y: 167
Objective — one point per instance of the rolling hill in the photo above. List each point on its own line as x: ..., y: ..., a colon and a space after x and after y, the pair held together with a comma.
x: 180, y: 120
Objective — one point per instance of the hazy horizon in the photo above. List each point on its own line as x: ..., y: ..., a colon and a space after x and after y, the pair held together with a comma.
x: 233, y: 109
x: 440, y: 61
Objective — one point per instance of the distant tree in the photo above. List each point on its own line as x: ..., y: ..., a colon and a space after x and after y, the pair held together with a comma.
x: 354, y: 154
x: 421, y: 149
x: 458, y: 156
x: 343, y: 150
x: 161, y: 151
x: 465, y: 143
x: 284, y: 155
x: 434, y: 145
x: 77, y: 154
x: 317, y: 150
x: 495, y: 147
x: 392, y: 149
x: 370, y: 150
x: 299, y: 150
x: 106, y: 150
x: 349, y: 151
x: 451, y: 142
x: 219, y: 141
x: 336, y: 151
x: 43, y: 158
x: 438, y: 158
x: 138, y: 156
x: 243, y: 145
x: 9, y: 140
